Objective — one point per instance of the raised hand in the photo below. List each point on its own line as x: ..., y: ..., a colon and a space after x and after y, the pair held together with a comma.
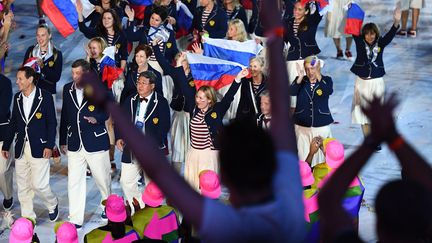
x: 397, y: 14
x: 130, y: 13
x: 300, y: 73
x: 197, y: 49
x: 380, y: 114
x: 79, y: 8
x: 243, y: 73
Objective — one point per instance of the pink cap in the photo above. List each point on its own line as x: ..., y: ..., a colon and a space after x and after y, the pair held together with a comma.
x: 22, y: 231
x: 67, y: 233
x: 334, y: 153
x: 306, y: 174
x: 209, y: 184
x: 115, y: 208
x: 152, y: 195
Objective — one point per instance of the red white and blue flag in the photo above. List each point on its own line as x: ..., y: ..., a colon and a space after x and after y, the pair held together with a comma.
x: 139, y: 7
x: 184, y: 20
x: 230, y: 50
x: 62, y: 14
x: 323, y: 6
x: 213, y: 72
x: 110, y: 72
x: 354, y: 21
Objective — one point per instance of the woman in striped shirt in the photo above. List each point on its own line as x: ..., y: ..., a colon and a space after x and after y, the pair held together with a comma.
x: 206, y: 120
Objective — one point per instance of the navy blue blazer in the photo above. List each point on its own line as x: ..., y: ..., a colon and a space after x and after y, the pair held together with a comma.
x: 250, y: 103
x: 239, y: 13
x: 140, y: 34
x: 40, y: 128
x: 5, y: 104
x: 119, y: 41
x: 304, y: 44
x: 178, y: 75
x: 156, y: 121
x: 51, y: 70
x: 366, y: 67
x: 255, y: 25
x: 216, y: 24
x: 75, y: 131
x: 131, y: 78
x: 312, y: 109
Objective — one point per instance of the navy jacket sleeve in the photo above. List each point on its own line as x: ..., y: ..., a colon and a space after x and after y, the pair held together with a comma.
x: 51, y: 122
x: 88, y: 32
x: 10, y: 133
x: 5, y: 98
x: 253, y: 21
x: 388, y: 37
x: 123, y: 46
x: 295, y: 88
x: 138, y: 35
x: 63, y: 119
x: 165, y: 116
x: 225, y: 103
x: 27, y: 54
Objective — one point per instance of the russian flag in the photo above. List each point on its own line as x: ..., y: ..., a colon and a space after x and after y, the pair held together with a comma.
x: 230, y: 50
x: 212, y: 71
x: 354, y: 21
x: 110, y: 72
x: 323, y: 6
x: 139, y: 7
x: 184, y: 20
x: 62, y: 14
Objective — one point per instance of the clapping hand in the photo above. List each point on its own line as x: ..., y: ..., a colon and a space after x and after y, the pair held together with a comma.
x: 380, y: 114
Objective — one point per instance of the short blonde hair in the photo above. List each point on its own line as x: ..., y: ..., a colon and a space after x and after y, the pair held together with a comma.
x: 257, y: 59
x: 241, y: 30
x: 312, y: 60
x: 210, y: 93
x: 102, y: 43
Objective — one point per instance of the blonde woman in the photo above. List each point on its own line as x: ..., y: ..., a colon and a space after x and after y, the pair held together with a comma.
x: 236, y: 30
x: 312, y: 116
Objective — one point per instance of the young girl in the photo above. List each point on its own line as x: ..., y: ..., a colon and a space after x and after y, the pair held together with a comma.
x: 369, y: 68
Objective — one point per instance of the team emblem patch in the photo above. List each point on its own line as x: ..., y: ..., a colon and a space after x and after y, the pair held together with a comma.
x: 38, y: 115
x: 155, y: 120
x: 91, y: 108
x: 50, y: 64
x: 118, y: 46
x: 191, y: 83
x: 168, y: 45
x: 319, y: 92
x: 212, y: 23
x: 213, y: 115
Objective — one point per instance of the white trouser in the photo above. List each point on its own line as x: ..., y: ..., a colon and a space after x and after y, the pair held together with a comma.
x: 99, y: 164
x: 32, y: 176
x: 130, y: 174
x: 6, y: 174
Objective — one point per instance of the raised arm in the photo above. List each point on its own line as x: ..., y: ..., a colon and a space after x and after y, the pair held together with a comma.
x: 388, y: 37
x: 153, y: 162
x: 226, y: 101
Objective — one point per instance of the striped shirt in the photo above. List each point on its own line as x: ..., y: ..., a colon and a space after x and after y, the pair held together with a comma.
x: 204, y: 17
x: 161, y: 46
x: 229, y: 13
x: 295, y: 27
x: 200, y: 134
x: 110, y: 39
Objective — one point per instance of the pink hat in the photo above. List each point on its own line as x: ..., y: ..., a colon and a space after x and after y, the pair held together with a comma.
x: 334, y: 154
x: 152, y: 195
x: 22, y: 231
x: 209, y: 184
x: 306, y: 174
x: 67, y: 233
x: 115, y: 208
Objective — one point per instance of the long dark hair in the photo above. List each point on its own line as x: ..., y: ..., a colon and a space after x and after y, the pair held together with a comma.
x: 304, y: 24
x: 116, y: 22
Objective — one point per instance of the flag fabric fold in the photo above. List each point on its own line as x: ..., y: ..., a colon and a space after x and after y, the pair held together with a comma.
x: 139, y: 7
x: 230, y: 50
x: 354, y: 21
x: 62, y: 14
x: 212, y: 71
x: 110, y: 72
x: 184, y: 20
